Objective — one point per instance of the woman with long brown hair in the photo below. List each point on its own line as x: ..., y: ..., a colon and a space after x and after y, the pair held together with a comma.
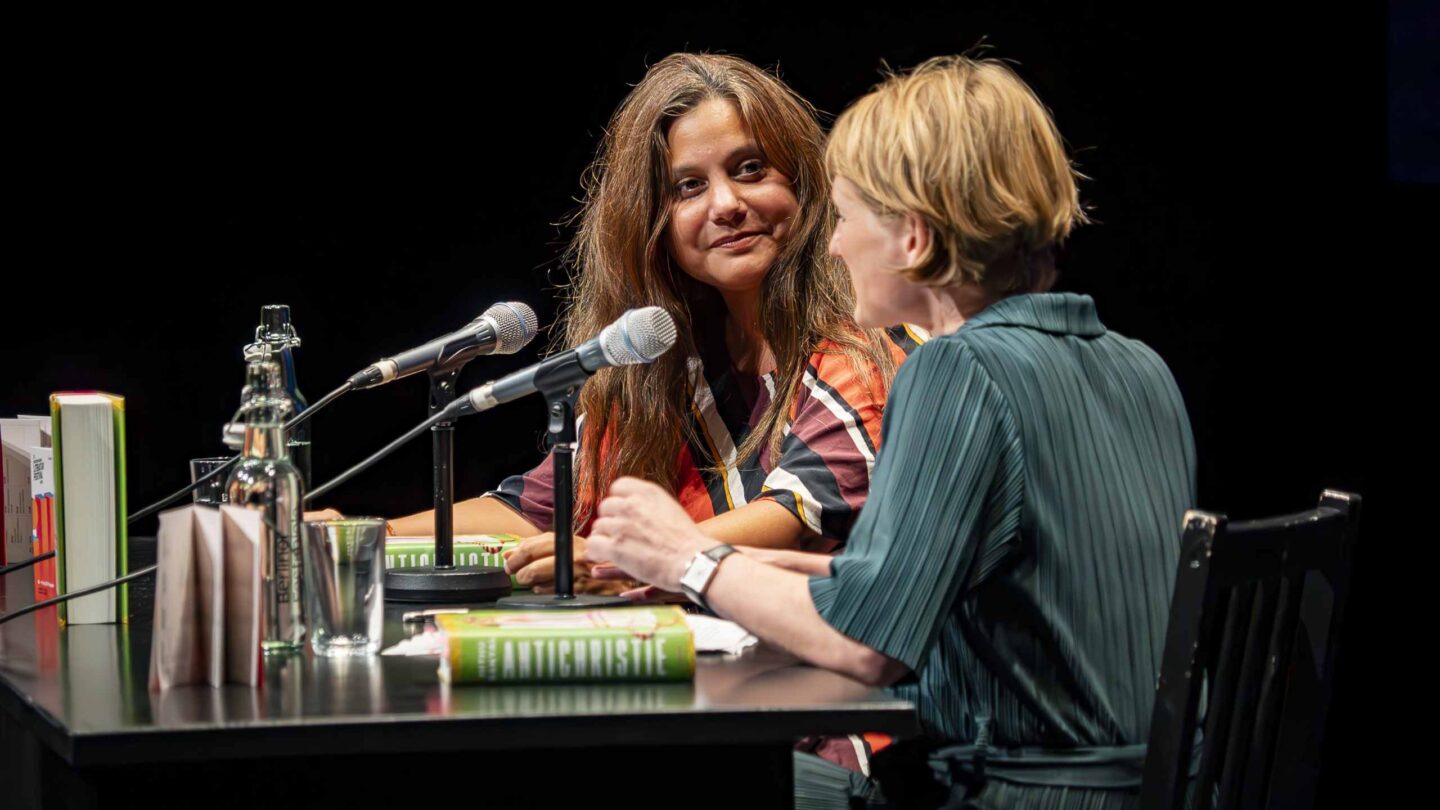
x: 708, y: 197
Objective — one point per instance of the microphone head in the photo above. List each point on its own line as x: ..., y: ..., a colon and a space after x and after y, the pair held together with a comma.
x: 638, y: 336
x: 515, y: 326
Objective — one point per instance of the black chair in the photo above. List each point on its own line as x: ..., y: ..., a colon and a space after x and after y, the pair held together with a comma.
x: 1254, y: 632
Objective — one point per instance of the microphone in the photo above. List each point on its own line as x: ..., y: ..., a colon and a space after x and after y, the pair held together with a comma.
x: 504, y: 328
x: 638, y: 336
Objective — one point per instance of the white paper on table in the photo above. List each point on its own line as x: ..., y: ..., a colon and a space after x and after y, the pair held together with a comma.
x: 719, y: 635
x: 207, y: 598
x: 210, y: 593
x: 242, y: 594
x: 431, y: 642
x: 175, y: 649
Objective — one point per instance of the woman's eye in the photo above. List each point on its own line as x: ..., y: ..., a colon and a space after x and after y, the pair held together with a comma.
x: 688, y: 186
x: 751, y: 167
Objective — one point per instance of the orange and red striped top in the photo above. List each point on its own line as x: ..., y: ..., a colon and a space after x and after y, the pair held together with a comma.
x: 822, y: 475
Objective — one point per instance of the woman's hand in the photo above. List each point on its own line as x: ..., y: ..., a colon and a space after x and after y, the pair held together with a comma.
x: 645, y: 532
x: 533, y: 564
x: 323, y: 514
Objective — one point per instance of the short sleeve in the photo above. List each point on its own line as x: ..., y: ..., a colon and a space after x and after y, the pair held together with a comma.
x: 829, y: 450
x: 949, y: 481
x: 532, y: 494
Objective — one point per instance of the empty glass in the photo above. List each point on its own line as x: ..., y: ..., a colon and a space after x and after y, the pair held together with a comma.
x: 344, y: 585
x: 212, y: 492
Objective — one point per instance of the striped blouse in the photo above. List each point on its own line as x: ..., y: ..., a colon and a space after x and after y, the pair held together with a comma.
x: 1020, y: 546
x: 822, y: 475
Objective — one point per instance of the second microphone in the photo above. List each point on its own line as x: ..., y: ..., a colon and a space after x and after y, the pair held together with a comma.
x: 638, y: 336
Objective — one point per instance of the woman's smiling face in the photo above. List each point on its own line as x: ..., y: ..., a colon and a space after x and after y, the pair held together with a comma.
x: 732, y: 211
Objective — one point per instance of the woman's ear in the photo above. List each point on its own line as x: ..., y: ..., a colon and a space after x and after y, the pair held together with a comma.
x: 915, y: 235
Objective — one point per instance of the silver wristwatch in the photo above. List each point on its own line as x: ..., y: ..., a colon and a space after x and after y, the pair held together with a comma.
x: 701, y: 571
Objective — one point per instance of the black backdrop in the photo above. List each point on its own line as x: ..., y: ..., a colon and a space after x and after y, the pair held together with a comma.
x: 390, y: 181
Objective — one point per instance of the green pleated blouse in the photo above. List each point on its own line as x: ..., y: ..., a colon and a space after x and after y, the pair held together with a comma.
x: 1019, y: 545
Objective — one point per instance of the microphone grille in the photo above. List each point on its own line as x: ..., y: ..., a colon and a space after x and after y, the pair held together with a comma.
x: 639, y: 336
x: 515, y: 326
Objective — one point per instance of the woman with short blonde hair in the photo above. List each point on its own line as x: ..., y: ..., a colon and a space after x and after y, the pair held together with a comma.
x: 965, y: 145
x: 1011, y: 570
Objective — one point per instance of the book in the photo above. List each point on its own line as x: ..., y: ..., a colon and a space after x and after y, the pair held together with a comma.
x: 88, y: 437
x: 42, y: 515
x: 470, y: 550
x: 560, y: 646
x: 207, y: 598
x: 20, y: 437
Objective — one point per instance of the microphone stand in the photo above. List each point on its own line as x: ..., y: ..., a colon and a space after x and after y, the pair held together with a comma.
x: 562, y: 437
x: 444, y: 582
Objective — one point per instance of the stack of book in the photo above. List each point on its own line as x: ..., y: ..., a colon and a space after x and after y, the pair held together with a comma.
x: 64, y: 483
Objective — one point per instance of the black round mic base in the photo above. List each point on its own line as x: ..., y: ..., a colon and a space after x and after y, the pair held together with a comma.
x: 550, y: 601
x: 447, y: 585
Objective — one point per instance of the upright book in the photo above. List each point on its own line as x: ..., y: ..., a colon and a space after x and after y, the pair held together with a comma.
x: 22, y: 438
x: 42, y: 517
x: 88, y: 434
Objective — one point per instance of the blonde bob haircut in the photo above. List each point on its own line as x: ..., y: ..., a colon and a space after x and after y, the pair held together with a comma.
x: 965, y: 144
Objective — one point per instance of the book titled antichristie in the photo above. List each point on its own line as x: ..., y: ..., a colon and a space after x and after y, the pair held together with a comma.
x: 88, y: 437
x: 548, y: 646
x: 470, y: 550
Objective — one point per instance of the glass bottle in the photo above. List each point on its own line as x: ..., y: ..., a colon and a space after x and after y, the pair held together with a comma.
x: 276, y: 339
x: 265, y: 479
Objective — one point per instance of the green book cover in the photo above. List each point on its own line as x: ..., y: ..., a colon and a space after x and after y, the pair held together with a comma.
x: 58, y: 466
x: 470, y: 550
x: 122, y: 517
x: 117, y: 406
x: 561, y: 646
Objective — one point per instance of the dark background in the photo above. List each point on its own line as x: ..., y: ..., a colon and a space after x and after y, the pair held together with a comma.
x: 390, y: 180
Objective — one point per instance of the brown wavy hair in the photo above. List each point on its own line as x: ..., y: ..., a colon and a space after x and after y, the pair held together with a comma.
x: 638, y: 416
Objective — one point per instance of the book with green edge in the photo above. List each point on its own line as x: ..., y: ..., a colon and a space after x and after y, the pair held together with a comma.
x: 567, y: 646
x: 470, y: 550
x: 90, y: 503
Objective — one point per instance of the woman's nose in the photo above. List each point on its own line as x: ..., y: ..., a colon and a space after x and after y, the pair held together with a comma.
x: 727, y: 205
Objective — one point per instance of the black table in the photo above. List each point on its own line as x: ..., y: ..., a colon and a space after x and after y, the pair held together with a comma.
x: 80, y: 726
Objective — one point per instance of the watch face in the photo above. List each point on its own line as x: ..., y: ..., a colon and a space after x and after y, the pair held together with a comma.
x: 697, y: 575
